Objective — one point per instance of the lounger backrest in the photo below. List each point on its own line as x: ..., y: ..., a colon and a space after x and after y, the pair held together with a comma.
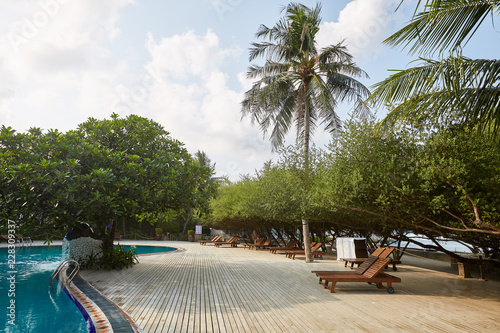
x: 316, y: 247
x: 385, y: 253
x: 268, y: 241
x: 376, y: 267
x: 378, y: 251
x: 291, y: 244
x: 366, y: 264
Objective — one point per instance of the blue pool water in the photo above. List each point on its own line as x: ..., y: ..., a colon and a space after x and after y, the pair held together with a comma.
x: 38, y: 308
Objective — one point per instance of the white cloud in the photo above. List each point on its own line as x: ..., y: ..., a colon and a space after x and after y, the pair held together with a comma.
x: 190, y: 96
x: 55, y: 62
x: 364, y: 24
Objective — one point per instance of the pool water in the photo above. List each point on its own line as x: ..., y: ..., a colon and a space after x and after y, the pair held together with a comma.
x: 148, y: 249
x: 37, y: 307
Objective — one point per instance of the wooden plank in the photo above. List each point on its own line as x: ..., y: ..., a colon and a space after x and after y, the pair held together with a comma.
x: 207, y: 289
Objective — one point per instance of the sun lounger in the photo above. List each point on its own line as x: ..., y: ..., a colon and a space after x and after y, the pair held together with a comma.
x: 289, y: 246
x: 314, y: 250
x: 232, y: 241
x: 369, y: 271
x: 262, y: 245
x: 377, y: 252
x: 258, y: 241
x: 215, y: 239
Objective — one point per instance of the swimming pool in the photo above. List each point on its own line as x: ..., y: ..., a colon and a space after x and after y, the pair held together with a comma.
x: 37, y: 308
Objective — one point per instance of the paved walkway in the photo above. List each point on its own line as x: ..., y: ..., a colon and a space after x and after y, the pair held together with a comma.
x: 207, y: 289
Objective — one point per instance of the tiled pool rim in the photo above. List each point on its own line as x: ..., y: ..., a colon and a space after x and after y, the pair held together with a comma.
x: 105, y: 316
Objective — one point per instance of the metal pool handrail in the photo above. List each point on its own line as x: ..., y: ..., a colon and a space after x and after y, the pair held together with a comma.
x: 60, y: 267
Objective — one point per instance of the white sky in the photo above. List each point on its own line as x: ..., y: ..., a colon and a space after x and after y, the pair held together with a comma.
x: 180, y: 63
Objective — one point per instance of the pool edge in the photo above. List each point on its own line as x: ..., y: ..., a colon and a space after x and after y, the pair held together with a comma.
x: 80, y: 288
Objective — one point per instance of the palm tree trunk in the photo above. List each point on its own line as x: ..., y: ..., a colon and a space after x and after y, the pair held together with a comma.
x: 305, y: 222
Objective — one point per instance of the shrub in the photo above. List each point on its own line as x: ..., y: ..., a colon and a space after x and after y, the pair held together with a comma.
x: 112, y: 258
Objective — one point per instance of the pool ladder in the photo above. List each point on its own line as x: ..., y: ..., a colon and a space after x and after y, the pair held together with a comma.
x: 61, y: 266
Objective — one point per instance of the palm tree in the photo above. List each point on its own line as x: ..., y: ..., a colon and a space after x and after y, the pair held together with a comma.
x: 454, y: 89
x: 298, y: 85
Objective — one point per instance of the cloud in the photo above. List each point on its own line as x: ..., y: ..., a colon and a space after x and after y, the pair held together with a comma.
x: 54, y: 61
x: 184, y: 87
x: 58, y: 68
x: 363, y: 24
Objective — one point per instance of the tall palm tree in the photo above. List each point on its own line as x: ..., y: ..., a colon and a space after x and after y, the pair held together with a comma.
x: 454, y: 89
x: 299, y: 84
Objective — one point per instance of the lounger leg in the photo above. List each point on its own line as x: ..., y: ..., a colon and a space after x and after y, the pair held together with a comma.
x: 332, y: 288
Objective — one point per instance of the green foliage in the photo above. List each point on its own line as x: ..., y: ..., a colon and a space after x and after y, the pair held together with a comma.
x: 432, y: 183
x: 299, y: 83
x: 112, y: 258
x: 128, y: 169
x: 454, y: 89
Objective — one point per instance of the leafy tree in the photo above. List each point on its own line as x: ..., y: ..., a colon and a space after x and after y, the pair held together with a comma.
x: 433, y: 184
x: 453, y: 89
x: 299, y: 84
x: 128, y: 169
x: 202, y: 186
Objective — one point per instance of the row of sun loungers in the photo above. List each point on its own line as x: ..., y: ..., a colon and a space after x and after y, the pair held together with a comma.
x: 262, y: 243
x: 369, y: 269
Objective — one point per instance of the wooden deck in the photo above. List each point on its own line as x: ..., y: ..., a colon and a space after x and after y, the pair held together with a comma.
x: 207, y: 289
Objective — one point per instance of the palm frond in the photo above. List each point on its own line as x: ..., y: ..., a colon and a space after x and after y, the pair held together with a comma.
x: 444, y: 24
x: 295, y: 79
x: 454, y: 73
x: 471, y: 106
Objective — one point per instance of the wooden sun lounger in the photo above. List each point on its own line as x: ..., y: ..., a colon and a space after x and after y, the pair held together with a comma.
x: 262, y: 245
x: 213, y: 240
x: 314, y: 250
x: 288, y: 246
x: 369, y: 271
x: 258, y: 241
x: 377, y: 252
x: 232, y: 241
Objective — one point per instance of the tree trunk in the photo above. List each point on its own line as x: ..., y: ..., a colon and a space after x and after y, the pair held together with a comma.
x: 187, y: 216
x: 107, y: 239
x: 305, y: 222
x: 307, y: 241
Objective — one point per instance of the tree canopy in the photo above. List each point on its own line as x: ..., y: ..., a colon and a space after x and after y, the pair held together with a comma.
x: 436, y: 184
x: 128, y: 169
